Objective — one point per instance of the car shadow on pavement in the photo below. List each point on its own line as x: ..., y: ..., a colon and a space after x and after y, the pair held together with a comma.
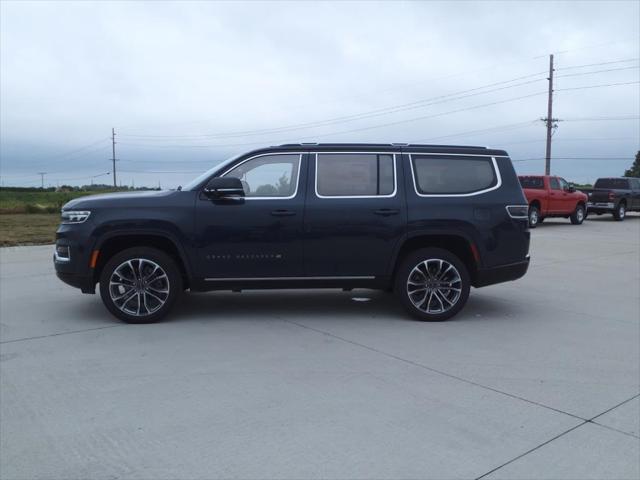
x: 357, y: 305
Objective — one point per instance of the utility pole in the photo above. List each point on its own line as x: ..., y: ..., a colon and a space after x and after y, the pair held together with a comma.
x: 113, y: 154
x: 550, y: 121
x: 42, y: 174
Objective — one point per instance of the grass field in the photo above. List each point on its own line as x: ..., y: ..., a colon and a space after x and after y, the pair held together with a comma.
x: 36, y: 202
x: 28, y: 229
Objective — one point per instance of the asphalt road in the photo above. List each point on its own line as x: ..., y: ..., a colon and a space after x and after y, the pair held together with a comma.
x: 538, y: 378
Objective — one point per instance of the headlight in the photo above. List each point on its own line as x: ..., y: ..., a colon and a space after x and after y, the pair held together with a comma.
x: 75, y: 216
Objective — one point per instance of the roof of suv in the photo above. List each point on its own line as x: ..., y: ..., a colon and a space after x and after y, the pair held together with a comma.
x: 408, y: 147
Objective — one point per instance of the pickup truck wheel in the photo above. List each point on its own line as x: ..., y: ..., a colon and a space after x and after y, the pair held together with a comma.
x: 140, y: 284
x: 620, y: 212
x: 578, y: 216
x: 534, y: 216
x: 432, y: 284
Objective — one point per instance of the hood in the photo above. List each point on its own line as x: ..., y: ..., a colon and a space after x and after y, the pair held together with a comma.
x: 116, y: 199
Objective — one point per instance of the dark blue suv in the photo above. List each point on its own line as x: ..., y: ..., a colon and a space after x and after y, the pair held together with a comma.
x: 424, y: 221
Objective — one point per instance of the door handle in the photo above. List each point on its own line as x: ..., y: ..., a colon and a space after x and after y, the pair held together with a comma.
x: 283, y: 213
x: 385, y: 212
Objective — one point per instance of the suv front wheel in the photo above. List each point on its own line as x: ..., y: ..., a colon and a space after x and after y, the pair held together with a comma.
x: 433, y: 284
x: 140, y: 284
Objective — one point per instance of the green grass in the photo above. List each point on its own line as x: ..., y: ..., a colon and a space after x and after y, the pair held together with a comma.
x: 36, y: 202
x: 28, y: 229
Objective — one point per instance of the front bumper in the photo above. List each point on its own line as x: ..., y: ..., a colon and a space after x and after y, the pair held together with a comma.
x: 502, y: 273
x: 84, y: 283
x: 71, y: 259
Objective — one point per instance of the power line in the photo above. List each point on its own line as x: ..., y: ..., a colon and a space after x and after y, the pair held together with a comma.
x: 597, y: 71
x: 571, y: 67
x: 596, y: 86
x: 359, y: 116
x: 602, y: 119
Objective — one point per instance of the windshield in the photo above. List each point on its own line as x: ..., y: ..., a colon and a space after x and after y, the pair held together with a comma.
x: 615, y: 183
x: 202, y: 177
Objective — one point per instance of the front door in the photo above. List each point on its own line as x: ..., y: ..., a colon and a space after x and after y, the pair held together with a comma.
x: 259, y: 236
x: 354, y: 214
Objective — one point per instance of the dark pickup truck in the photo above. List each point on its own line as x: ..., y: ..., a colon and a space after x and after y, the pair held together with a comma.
x: 614, y: 195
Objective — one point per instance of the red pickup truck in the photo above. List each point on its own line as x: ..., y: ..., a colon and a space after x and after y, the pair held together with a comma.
x: 549, y: 196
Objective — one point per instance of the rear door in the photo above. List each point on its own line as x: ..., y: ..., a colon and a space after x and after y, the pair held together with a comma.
x: 354, y: 213
x: 556, y: 200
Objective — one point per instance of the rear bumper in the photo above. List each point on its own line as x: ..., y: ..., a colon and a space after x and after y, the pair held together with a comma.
x: 600, y: 207
x: 503, y: 273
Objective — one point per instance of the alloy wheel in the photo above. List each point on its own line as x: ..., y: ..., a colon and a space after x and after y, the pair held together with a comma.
x: 434, y: 286
x: 139, y: 287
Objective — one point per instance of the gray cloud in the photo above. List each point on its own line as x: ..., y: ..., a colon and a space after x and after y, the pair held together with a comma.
x: 169, y: 72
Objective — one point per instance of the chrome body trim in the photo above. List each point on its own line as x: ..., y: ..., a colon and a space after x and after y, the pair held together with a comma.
x: 395, y: 174
x: 271, y: 155
x: 260, y: 279
x: 447, y: 195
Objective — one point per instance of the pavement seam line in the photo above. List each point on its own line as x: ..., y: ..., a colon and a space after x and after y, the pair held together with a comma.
x: 532, y: 450
x: 59, y: 334
x: 562, y: 434
x: 439, y: 372
x: 616, y: 430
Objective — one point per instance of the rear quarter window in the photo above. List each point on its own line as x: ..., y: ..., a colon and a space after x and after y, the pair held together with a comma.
x: 531, y: 182
x: 613, y: 183
x: 452, y: 175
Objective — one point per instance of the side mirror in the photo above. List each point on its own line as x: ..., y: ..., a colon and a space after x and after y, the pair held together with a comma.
x: 571, y: 189
x: 224, y: 188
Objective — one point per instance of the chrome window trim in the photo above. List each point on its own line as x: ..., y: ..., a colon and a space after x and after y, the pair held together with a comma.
x: 295, y: 192
x: 243, y: 279
x: 445, y: 195
x: 395, y: 175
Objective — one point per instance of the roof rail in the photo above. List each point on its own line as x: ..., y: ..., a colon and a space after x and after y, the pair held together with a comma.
x: 394, y: 144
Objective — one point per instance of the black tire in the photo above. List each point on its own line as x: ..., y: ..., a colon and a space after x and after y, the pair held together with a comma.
x: 620, y: 212
x: 405, y: 272
x: 143, y: 261
x: 578, y: 216
x: 534, y: 216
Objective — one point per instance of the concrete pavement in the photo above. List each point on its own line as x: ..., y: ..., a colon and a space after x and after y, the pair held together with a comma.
x: 538, y: 378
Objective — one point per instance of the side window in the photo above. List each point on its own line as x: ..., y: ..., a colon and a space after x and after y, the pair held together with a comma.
x: 355, y: 174
x: 441, y: 175
x: 564, y: 185
x: 554, y: 183
x: 269, y: 176
x: 635, y: 183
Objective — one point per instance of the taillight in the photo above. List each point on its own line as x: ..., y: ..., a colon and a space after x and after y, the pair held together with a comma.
x: 518, y: 211
x: 611, y: 196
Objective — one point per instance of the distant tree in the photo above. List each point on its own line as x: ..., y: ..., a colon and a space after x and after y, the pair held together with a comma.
x: 634, y: 171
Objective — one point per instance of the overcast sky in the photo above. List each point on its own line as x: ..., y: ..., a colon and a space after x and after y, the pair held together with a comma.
x: 188, y: 84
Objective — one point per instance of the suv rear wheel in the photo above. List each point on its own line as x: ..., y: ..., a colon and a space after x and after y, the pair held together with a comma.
x: 433, y: 284
x: 140, y: 285
x: 578, y: 216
